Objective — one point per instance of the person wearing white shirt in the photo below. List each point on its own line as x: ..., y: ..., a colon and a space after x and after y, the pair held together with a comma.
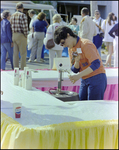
x: 108, y: 40
x: 114, y: 32
x: 87, y: 26
x: 57, y: 49
x: 97, y: 40
x: 33, y: 17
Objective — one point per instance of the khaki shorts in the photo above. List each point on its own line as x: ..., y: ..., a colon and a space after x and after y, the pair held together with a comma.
x: 109, y: 43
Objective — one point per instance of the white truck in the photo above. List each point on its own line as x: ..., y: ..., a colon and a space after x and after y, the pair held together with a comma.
x: 49, y: 10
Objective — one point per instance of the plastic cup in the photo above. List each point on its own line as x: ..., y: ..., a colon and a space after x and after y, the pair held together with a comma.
x: 17, y: 110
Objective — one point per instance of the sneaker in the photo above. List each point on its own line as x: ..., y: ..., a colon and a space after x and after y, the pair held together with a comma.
x: 29, y: 60
x: 42, y: 60
x: 36, y: 61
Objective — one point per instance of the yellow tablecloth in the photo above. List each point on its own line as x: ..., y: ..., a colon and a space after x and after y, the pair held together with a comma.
x: 95, y: 134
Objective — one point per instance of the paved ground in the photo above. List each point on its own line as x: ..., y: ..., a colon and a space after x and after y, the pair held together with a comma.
x: 45, y: 65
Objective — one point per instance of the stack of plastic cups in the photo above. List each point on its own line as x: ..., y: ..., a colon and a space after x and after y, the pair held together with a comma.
x: 28, y: 80
x: 23, y: 77
x: 16, y: 76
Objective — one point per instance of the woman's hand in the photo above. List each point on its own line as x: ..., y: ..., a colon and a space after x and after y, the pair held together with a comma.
x: 74, y: 78
x: 75, y: 58
x: 45, y: 18
x: 12, y: 44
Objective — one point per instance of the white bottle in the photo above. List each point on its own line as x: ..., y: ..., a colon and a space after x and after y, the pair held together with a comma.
x: 20, y: 80
x: 16, y: 76
x: 23, y: 77
x: 28, y: 80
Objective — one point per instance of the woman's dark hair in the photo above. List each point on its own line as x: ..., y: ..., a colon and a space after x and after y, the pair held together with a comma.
x: 61, y: 33
x: 41, y: 16
x: 85, y: 10
x: 5, y: 14
x: 75, y: 19
x: 110, y: 17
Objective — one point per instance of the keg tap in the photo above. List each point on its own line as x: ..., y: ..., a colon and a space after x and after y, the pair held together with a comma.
x: 60, y: 79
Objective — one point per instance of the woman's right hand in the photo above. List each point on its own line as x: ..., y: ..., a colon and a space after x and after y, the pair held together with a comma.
x: 75, y: 58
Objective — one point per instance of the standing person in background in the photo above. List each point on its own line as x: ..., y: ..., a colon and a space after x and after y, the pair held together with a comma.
x: 38, y: 29
x: 33, y: 17
x: 97, y: 40
x: 106, y: 27
x: 87, y: 26
x: 43, y: 48
x: 74, y: 26
x: 49, y: 35
x: 6, y: 39
x: 114, y: 32
x: 20, y: 31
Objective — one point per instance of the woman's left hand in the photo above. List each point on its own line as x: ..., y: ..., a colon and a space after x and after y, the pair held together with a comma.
x: 74, y: 78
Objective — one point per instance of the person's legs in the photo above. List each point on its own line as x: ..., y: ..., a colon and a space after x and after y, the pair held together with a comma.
x: 99, y: 50
x: 110, y: 52
x: 97, y: 87
x: 40, y: 37
x: 34, y: 49
x: 3, y: 56
x: 58, y: 53
x: 83, y: 90
x: 51, y: 58
x: 7, y: 57
x: 23, y: 51
x: 21, y: 41
x: 107, y: 45
x: 42, y: 54
x: 109, y: 56
x: 15, y: 51
x: 10, y: 52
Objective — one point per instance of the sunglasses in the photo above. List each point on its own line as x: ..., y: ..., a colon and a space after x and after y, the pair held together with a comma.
x: 62, y: 43
x: 97, y: 14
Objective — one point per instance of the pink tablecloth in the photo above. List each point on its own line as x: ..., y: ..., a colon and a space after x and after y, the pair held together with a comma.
x: 111, y: 92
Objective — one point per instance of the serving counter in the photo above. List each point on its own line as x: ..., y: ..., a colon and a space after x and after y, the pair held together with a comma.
x: 48, y: 123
